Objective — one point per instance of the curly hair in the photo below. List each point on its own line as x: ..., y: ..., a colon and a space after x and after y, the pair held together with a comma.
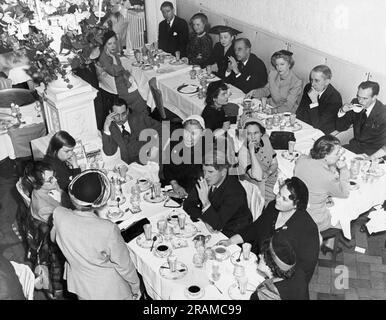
x: 298, y: 192
x: 34, y: 174
x: 324, y: 146
x: 214, y: 90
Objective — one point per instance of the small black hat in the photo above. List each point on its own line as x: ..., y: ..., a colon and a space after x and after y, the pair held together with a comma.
x: 108, y: 35
x: 221, y: 29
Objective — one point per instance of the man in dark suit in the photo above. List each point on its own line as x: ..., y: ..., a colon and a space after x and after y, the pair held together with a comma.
x: 248, y: 72
x: 320, y: 101
x: 173, y: 32
x: 219, y: 200
x: 122, y: 130
x: 368, y: 117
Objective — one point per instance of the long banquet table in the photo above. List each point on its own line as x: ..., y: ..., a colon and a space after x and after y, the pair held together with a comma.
x: 148, y: 265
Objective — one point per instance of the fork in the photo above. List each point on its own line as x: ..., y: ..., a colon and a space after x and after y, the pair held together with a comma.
x: 214, y: 284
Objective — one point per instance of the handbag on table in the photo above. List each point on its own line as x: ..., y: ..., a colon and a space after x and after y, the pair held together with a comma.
x: 134, y: 230
x: 279, y: 139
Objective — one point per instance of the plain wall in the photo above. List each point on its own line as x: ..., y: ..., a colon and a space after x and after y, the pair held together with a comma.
x: 347, y: 35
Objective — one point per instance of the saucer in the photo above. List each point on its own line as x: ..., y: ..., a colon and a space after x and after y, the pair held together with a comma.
x: 176, y: 62
x: 196, y: 296
x: 143, y: 243
x: 136, y: 64
x: 296, y: 127
x: 144, y: 184
x: 235, y: 255
x: 189, y: 231
x: 285, y: 154
x: 147, y: 198
x: 164, y: 254
x: 234, y: 292
x: 114, y: 215
x: 181, y: 271
x: 353, y: 185
x: 147, y: 67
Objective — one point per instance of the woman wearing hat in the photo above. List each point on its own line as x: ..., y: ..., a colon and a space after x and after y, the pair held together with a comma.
x: 98, y: 264
x: 222, y: 50
x: 257, y: 159
x: 288, y: 216
x: 183, y: 168
x: 110, y: 62
x: 200, y: 43
x: 284, y: 87
x: 277, y: 264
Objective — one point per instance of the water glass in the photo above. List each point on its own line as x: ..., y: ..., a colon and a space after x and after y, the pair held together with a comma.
x: 192, y: 73
x: 161, y: 225
x: 157, y: 189
x: 246, y: 250
x: 292, y: 119
x: 135, y: 199
x: 215, y: 271
x: 268, y: 123
x: 354, y: 168
x: 178, y: 55
x: 172, y: 260
x: 181, y: 220
x: 276, y: 120
x: 242, y: 282
x: 198, y: 260
x: 291, y: 147
x: 239, y: 271
x: 147, y: 231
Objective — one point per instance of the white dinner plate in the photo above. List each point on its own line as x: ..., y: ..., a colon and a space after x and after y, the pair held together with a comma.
x: 188, y: 89
x: 143, y: 243
x: 296, y: 127
x: 285, y: 154
x: 234, y: 292
x: 235, y: 255
x: 180, y: 272
x: 147, y: 198
x: 189, y: 231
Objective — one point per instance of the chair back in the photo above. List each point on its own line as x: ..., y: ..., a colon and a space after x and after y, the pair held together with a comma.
x: 18, y: 96
x: 157, y: 96
x: 25, y: 197
x: 254, y: 198
x: 5, y: 83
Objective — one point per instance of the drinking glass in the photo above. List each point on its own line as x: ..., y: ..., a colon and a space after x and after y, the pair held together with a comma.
x: 181, y: 220
x: 147, y: 231
x: 268, y: 123
x: 198, y: 260
x: 246, y: 250
x: 161, y: 225
x: 292, y: 119
x: 354, y: 168
x: 138, y: 56
x: 239, y: 271
x: 157, y: 189
x: 178, y: 55
x: 242, y: 282
x: 135, y: 199
x: 215, y: 271
x: 291, y: 147
x: 172, y: 260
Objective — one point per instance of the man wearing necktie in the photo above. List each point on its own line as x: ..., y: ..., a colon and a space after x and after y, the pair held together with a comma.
x: 248, y: 72
x: 122, y: 130
x: 173, y: 32
x: 320, y: 101
x: 219, y: 200
x: 368, y: 116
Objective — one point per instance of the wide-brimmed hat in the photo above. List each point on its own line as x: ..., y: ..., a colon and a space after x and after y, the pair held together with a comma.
x: 220, y: 29
x: 90, y: 188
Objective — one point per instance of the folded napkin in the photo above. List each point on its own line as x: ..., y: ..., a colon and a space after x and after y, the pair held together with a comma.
x: 149, y: 171
x: 377, y: 221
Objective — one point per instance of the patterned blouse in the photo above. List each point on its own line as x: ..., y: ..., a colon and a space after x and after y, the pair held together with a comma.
x: 199, y: 46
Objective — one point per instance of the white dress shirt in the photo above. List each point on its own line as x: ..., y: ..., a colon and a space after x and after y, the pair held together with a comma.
x: 127, y: 128
x: 227, y: 73
x: 368, y: 111
x: 316, y: 104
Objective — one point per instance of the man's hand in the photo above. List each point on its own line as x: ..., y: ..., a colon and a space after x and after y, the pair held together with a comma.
x: 251, y: 94
x: 203, y: 191
x: 233, y: 65
x: 313, y: 94
x: 214, y: 67
x: 181, y: 192
x: 226, y: 125
x: 347, y: 107
x: 109, y: 119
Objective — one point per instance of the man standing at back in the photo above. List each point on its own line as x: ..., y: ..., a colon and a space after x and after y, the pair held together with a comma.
x: 320, y: 101
x: 248, y: 72
x: 173, y: 32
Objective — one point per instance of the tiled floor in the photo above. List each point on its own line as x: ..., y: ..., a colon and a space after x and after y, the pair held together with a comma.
x: 353, y: 275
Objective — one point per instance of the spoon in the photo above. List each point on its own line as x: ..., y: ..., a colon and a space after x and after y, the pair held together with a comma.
x: 213, y: 284
x: 152, y: 245
x: 241, y: 251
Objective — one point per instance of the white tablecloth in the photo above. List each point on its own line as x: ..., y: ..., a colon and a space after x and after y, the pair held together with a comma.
x: 148, y: 264
x: 142, y: 77
x: 185, y: 105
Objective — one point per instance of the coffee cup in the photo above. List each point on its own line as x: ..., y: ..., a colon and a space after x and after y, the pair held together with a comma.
x: 220, y: 252
x: 163, y: 250
x: 194, y: 290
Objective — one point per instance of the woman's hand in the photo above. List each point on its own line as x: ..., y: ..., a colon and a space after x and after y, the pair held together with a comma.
x: 203, y: 191
x: 251, y: 147
x: 226, y: 125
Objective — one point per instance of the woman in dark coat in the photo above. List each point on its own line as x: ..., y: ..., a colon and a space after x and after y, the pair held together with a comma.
x: 61, y: 157
x: 222, y: 50
x: 200, y: 43
x: 286, y: 215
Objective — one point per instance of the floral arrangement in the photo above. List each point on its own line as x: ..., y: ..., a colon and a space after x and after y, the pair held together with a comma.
x: 45, y: 66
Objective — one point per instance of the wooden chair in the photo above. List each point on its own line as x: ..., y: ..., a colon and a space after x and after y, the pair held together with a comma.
x: 163, y: 113
x: 339, y: 239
